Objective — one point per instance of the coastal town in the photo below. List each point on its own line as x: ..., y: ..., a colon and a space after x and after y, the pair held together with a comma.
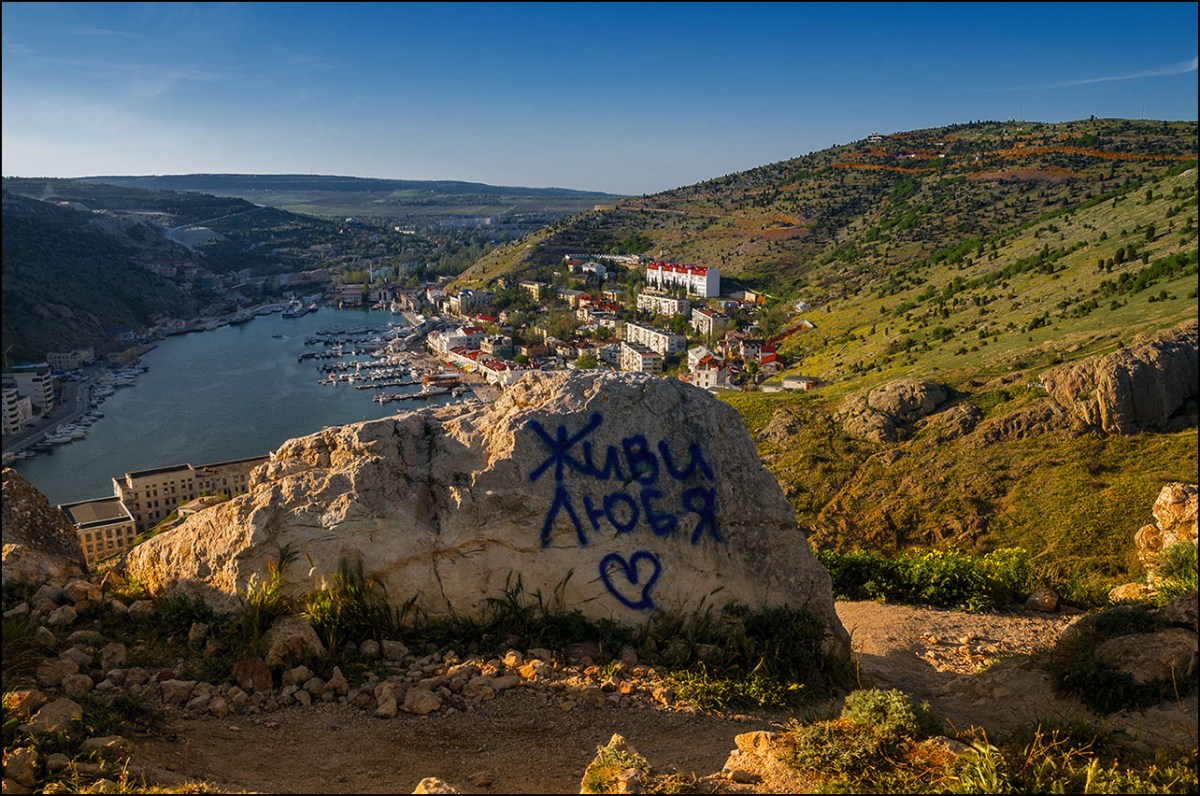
x: 593, y: 311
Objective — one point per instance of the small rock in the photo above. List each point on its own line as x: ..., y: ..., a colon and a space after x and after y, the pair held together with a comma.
x: 1044, y: 600
x: 1129, y: 593
x: 743, y: 777
x: 62, y: 616
x: 110, y: 747
x: 393, y: 650
x: 56, y: 716
x: 24, y: 702
x: 141, y: 610
x: 113, y: 656
x: 252, y: 674
x: 177, y: 692
x: 198, y: 633
x: 369, y: 648
x: 434, y: 785
x: 388, y: 708
x: 421, y: 701
x: 21, y: 765
x: 77, y: 685
x: 51, y: 671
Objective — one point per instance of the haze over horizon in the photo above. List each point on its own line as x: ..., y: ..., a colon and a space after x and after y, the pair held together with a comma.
x: 622, y: 98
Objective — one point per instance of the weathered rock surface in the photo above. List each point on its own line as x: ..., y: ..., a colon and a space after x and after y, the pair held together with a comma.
x: 40, y: 543
x: 1140, y: 387
x: 623, y: 493
x: 1175, y: 515
x: 881, y: 413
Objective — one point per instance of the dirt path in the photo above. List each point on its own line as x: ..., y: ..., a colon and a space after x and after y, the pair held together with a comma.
x: 524, y: 742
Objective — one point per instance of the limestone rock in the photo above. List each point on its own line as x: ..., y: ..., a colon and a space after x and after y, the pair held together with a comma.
x: 1175, y: 512
x: 1164, y: 655
x: 57, y: 716
x: 1036, y: 418
x: 907, y: 400
x: 1182, y: 611
x: 1044, y: 600
x: 434, y: 785
x: 624, y: 493
x: 292, y: 639
x: 252, y: 674
x: 40, y: 543
x: 21, y: 764
x: 880, y: 414
x: 1129, y: 593
x: 421, y: 701
x: 1141, y: 387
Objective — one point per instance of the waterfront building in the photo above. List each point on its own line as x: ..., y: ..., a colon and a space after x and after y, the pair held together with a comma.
x: 150, y: 495
x: 696, y: 280
x: 12, y: 410
x: 659, y: 340
x: 105, y: 527
x: 71, y: 360
x: 33, y: 380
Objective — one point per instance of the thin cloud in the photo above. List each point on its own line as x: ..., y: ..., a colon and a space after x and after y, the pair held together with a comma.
x: 90, y: 31
x: 1176, y: 69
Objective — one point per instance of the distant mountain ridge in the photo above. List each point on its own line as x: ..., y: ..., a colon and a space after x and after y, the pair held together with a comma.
x: 209, y: 183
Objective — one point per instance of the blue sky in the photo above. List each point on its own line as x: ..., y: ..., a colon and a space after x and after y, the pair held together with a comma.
x: 621, y: 97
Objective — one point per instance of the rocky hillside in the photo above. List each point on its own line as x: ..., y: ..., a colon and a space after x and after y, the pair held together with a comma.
x: 69, y: 274
x: 1010, y: 275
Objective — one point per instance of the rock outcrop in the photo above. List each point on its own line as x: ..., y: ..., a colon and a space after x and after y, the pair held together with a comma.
x: 1141, y: 387
x: 40, y: 543
x: 880, y: 414
x: 618, y: 493
x: 1175, y: 523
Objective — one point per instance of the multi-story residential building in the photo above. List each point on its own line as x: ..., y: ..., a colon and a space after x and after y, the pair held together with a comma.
x: 707, y: 322
x: 469, y: 337
x: 12, y: 410
x: 34, y: 381
x: 467, y: 302
x: 150, y: 495
x: 662, y: 304
x: 660, y: 340
x: 105, y: 527
x: 694, y: 279
x: 535, y: 289
x: 71, y: 360
x: 637, y: 357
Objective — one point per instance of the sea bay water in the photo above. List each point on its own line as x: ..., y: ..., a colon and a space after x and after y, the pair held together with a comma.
x: 234, y: 392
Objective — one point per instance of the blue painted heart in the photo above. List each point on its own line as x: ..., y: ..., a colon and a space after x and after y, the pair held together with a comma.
x: 630, y: 583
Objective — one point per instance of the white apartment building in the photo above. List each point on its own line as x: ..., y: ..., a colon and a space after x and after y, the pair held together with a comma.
x: 696, y: 280
x: 34, y: 381
x: 662, y: 304
x: 12, y: 410
x: 660, y: 340
x: 469, y: 337
x: 637, y: 357
x: 708, y: 322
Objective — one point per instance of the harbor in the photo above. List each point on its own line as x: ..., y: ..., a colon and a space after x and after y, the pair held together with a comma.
x: 234, y: 391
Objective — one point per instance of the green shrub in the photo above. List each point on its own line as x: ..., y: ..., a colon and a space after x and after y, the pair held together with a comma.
x: 602, y: 774
x: 1177, y: 572
x: 892, y: 713
x: 708, y: 692
x: 350, y: 607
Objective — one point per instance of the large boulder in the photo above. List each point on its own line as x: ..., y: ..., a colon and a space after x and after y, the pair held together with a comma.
x: 1146, y: 386
x: 881, y: 413
x: 619, y: 493
x: 40, y: 543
